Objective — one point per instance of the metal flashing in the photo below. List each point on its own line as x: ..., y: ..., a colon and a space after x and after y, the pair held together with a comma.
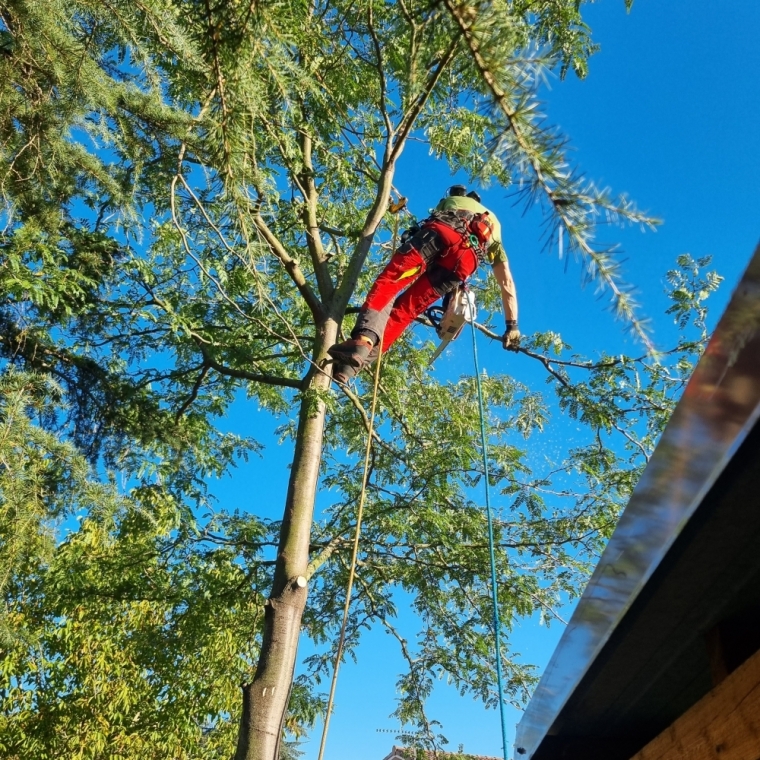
x: 719, y: 407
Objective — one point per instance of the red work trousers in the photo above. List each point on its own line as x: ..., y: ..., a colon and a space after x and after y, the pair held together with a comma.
x: 425, y: 281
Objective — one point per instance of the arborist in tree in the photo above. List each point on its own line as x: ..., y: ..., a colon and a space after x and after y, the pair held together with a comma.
x: 433, y: 259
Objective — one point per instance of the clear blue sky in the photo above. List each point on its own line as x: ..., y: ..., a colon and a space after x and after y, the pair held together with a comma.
x: 670, y: 115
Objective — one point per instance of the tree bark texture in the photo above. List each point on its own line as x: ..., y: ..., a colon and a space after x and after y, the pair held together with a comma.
x: 265, y: 698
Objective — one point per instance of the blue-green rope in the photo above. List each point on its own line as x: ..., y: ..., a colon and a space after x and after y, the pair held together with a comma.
x: 492, y: 552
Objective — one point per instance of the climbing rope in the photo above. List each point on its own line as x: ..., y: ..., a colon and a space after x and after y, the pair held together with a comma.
x: 491, y: 550
x: 354, y: 554
x: 394, y: 208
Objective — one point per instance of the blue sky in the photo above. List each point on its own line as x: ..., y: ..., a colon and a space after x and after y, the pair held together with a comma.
x: 669, y: 114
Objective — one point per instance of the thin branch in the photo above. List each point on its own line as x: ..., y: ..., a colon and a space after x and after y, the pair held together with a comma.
x: 546, y: 362
x: 635, y: 442
x: 327, y: 551
x: 242, y: 374
x: 333, y: 231
x: 313, y: 239
x: 410, y: 117
x: 213, y: 30
x: 380, y: 71
x: 292, y: 267
x: 193, y: 393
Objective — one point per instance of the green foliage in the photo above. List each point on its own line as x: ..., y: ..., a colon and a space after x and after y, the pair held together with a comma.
x: 129, y: 637
x: 690, y: 290
x: 43, y: 480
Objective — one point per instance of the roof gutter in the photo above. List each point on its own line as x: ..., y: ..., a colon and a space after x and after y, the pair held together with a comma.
x: 720, y: 405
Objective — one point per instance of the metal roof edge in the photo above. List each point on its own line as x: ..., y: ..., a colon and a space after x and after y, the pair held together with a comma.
x: 719, y: 407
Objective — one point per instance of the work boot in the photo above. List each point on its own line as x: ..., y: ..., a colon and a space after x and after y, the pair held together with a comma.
x: 371, y: 357
x: 342, y: 373
x: 354, y: 352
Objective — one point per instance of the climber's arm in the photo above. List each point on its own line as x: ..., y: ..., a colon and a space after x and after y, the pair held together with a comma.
x: 511, y: 338
x: 508, y: 291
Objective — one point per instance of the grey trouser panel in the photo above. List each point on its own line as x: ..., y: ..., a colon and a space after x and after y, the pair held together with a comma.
x: 372, y: 321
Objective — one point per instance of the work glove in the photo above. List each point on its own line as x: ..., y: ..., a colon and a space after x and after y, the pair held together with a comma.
x: 511, y: 338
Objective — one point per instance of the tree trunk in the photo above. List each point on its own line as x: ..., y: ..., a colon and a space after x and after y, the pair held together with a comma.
x: 265, y: 699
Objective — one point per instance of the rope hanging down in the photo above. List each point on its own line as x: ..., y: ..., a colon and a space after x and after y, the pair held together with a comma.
x: 394, y: 208
x: 494, y: 595
x: 354, y: 554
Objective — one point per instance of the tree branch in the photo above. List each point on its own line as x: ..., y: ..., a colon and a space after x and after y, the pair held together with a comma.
x: 380, y: 71
x: 193, y: 393
x: 527, y: 352
x: 313, y: 239
x: 242, y: 374
x: 410, y: 117
x: 327, y: 551
x: 292, y: 267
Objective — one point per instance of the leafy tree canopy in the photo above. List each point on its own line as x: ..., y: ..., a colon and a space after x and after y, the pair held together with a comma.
x: 193, y: 193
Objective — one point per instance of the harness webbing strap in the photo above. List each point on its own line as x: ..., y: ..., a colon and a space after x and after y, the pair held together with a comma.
x: 491, y: 549
x: 461, y: 221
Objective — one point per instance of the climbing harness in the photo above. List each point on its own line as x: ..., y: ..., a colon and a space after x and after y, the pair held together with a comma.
x: 491, y: 549
x: 449, y: 319
x: 475, y: 228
